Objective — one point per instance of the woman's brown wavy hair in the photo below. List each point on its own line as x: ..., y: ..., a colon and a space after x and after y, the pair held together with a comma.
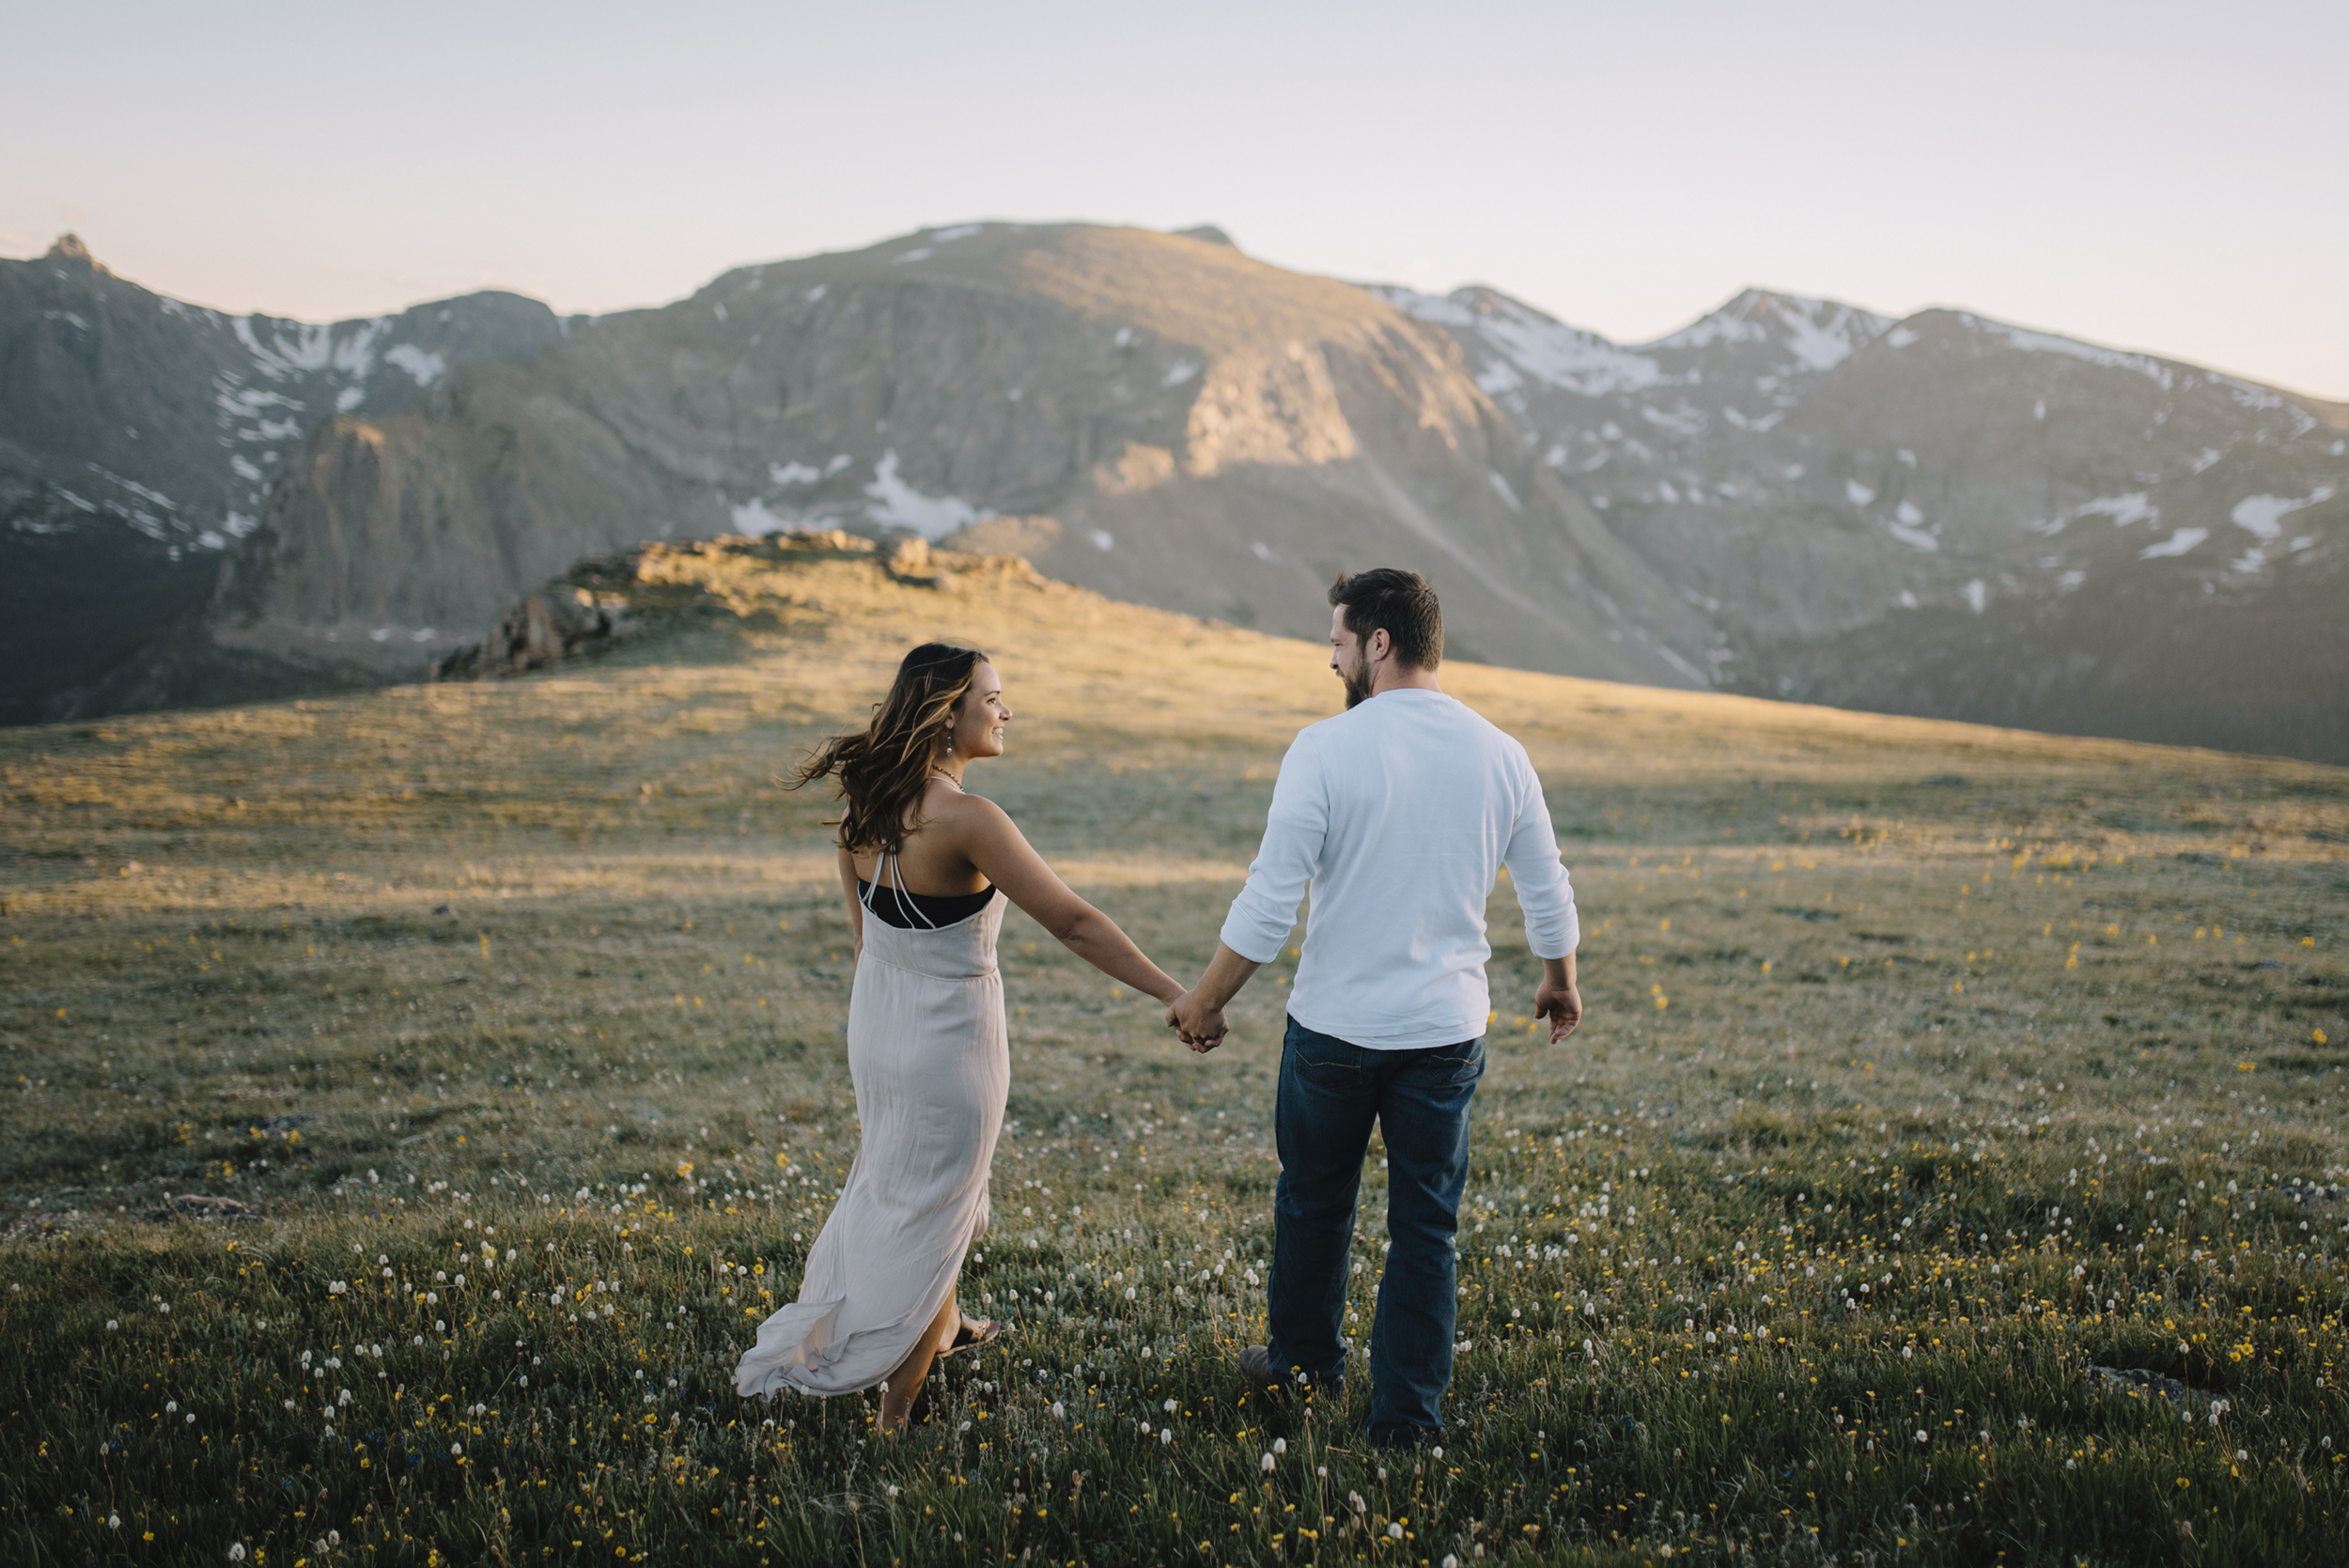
x: 884, y: 768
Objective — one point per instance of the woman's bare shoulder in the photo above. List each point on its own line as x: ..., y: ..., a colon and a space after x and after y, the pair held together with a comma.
x: 967, y: 813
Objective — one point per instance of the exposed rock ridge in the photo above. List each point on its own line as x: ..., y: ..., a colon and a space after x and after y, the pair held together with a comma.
x: 599, y: 602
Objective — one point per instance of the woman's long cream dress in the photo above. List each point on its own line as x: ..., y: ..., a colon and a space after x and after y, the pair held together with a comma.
x: 931, y: 1063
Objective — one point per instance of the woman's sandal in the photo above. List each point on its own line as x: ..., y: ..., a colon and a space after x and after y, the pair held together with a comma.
x: 972, y: 1333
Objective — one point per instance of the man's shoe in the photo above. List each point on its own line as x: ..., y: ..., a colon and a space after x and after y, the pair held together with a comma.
x: 1255, y: 1362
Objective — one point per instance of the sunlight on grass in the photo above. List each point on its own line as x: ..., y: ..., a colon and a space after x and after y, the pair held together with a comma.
x: 1949, y: 1170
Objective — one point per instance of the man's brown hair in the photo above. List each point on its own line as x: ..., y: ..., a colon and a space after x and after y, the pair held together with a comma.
x: 1400, y: 603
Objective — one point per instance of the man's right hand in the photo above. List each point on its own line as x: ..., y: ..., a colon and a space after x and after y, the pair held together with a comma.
x: 1201, y: 1026
x: 1198, y: 1013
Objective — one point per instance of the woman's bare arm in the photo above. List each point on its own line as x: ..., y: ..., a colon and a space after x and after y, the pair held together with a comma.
x: 856, y: 906
x: 1004, y: 856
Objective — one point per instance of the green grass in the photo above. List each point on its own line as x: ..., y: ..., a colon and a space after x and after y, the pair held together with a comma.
x: 1903, y: 1105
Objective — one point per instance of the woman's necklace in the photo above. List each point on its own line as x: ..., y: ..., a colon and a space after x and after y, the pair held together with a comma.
x: 950, y: 779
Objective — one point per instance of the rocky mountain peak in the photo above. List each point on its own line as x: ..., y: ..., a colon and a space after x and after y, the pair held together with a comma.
x: 1813, y: 334
x: 68, y: 247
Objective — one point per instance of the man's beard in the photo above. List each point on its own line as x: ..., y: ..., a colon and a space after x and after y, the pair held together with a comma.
x: 1358, y: 681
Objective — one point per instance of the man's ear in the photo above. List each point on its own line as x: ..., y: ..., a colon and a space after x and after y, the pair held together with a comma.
x: 1377, y: 645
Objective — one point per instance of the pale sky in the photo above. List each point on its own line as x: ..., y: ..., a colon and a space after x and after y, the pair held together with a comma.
x: 2162, y: 176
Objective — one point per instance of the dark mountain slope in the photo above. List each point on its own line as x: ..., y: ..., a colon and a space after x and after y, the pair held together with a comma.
x: 139, y: 437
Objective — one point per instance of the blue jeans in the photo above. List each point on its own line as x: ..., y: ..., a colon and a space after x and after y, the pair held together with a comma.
x: 1329, y: 1093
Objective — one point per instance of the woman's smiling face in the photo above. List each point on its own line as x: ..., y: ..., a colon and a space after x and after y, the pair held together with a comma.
x: 980, y: 718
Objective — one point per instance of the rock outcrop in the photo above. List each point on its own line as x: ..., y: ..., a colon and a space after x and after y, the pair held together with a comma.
x: 600, y: 601
x: 545, y: 628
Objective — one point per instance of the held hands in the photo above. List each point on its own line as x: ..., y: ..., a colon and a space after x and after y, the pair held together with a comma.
x: 1200, y: 1027
x: 1197, y: 1015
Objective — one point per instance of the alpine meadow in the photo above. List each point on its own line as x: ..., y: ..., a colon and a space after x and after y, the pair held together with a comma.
x: 419, y: 1094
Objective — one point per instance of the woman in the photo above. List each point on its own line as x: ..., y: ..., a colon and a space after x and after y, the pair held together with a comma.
x: 921, y: 866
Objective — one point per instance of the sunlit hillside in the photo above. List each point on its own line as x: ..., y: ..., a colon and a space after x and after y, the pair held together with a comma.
x: 419, y: 1093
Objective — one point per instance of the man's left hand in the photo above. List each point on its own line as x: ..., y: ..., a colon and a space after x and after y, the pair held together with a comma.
x: 1562, y: 1004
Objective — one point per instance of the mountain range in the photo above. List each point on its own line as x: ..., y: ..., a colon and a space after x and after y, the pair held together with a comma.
x: 139, y: 438
x: 1943, y: 513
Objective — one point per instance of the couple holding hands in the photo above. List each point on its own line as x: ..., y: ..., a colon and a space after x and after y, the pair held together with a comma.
x: 1398, y: 813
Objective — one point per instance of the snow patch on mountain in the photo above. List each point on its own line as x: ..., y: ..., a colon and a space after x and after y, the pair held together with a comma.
x: 247, y: 402
x: 1442, y: 310
x: 1908, y: 526
x: 1530, y: 344
x: 2177, y: 543
x: 355, y: 356
x: 753, y: 518
x: 1696, y: 677
x: 1568, y: 358
x: 1729, y: 324
x: 1681, y: 420
x: 1824, y: 337
x: 898, y: 505
x: 2048, y: 343
x: 1820, y: 334
x: 2123, y: 509
x: 422, y: 367
x: 2264, y: 514
x: 294, y: 347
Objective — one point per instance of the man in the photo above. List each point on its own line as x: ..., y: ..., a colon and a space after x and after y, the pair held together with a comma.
x: 1398, y: 814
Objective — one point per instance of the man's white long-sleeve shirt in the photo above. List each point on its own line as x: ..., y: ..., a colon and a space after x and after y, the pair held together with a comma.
x: 1399, y: 813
